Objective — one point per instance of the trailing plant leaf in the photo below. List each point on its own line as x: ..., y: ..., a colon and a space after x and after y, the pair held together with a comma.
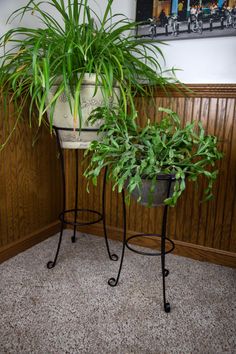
x: 132, y: 153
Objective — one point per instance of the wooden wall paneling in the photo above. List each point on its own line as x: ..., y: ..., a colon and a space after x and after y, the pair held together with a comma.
x: 3, y: 186
x: 229, y: 175
x: 19, y: 177
x: 3, y: 203
x: 115, y: 214
x: 108, y: 206
x: 55, y: 182
x: 99, y: 192
x: 30, y: 197
x: 151, y: 221
x: 120, y: 210
x: 69, y: 177
x: 116, y: 217
x: 230, y: 194
x: 113, y: 206
x: 98, y: 195
x: 221, y: 181
x: 87, y: 198
x: 232, y: 241
x: 130, y: 216
x: 212, y: 123
x: 136, y: 210
x: 10, y: 198
x: 3, y: 210
x: 46, y: 181
x: 144, y: 216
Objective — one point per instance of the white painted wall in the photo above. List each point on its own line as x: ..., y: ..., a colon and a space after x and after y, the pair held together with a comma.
x: 209, y: 60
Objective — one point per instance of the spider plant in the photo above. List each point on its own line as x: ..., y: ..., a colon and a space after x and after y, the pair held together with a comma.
x: 132, y: 153
x: 74, y: 41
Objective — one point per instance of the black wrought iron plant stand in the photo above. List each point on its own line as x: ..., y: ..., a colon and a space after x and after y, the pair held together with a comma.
x: 76, y: 211
x: 102, y: 217
x: 165, y: 272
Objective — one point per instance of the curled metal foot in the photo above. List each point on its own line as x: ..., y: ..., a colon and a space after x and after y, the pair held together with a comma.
x: 166, y: 272
x: 114, y: 257
x: 167, y: 307
x: 50, y: 265
x: 73, y: 239
x: 112, y: 282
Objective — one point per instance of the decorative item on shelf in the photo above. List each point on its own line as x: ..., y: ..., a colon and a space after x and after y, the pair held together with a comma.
x: 75, y: 62
x: 138, y: 158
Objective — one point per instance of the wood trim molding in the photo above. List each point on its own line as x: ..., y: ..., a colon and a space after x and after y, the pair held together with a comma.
x: 30, y: 240
x: 201, y: 90
x: 214, y: 90
x: 190, y: 250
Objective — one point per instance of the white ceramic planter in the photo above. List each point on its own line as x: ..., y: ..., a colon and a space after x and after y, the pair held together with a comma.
x: 63, y: 118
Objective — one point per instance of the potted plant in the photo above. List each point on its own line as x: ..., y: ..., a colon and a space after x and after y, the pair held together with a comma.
x: 139, y: 158
x: 75, y: 62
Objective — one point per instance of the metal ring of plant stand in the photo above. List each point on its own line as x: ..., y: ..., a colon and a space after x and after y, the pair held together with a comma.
x: 165, y: 272
x: 76, y: 223
x: 149, y: 253
x: 76, y: 211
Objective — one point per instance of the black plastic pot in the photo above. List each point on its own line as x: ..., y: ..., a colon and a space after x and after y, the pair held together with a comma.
x: 163, y: 189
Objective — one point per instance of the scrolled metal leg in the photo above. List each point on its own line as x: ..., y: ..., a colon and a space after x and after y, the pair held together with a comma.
x: 51, y: 264
x: 113, y: 257
x: 73, y: 238
x: 112, y: 281
x: 165, y: 272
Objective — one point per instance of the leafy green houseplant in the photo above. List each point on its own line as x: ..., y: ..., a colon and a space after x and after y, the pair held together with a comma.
x: 133, y: 155
x: 50, y: 65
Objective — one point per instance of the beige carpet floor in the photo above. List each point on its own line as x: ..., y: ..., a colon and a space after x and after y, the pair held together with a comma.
x: 72, y: 309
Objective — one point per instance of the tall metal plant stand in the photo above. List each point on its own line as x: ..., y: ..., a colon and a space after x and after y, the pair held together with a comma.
x: 76, y: 211
x: 165, y: 272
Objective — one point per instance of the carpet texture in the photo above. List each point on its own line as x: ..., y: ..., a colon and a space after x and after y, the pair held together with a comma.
x: 72, y: 309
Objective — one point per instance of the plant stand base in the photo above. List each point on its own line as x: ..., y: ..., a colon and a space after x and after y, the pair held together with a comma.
x: 162, y: 253
x: 75, y: 212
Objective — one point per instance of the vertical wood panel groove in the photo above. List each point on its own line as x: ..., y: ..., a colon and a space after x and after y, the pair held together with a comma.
x: 228, y: 133
x: 221, y: 118
x: 232, y: 238
x: 207, y: 104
